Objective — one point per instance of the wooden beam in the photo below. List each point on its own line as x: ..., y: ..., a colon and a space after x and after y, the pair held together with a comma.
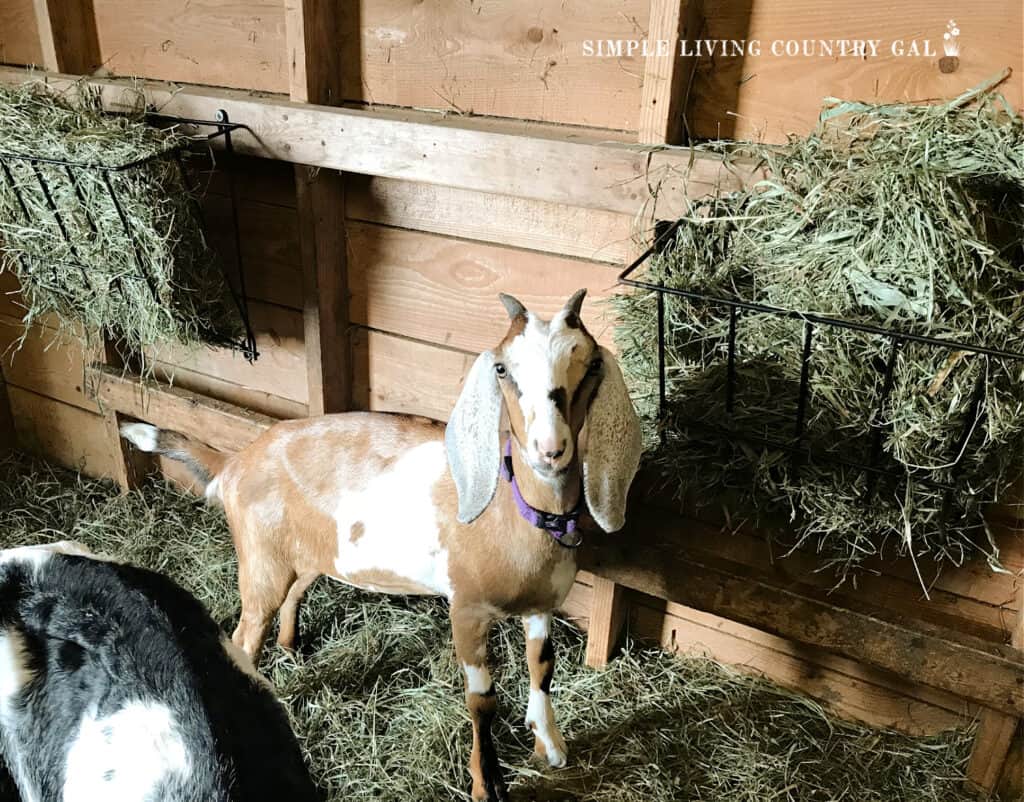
x: 315, y: 77
x: 991, y: 674
x: 668, y: 74
x: 996, y: 730
x: 219, y: 425
x: 325, y: 312
x: 67, y: 35
x: 607, y: 614
x: 551, y: 163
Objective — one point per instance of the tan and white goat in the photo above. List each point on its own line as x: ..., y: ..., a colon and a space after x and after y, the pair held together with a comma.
x: 400, y: 504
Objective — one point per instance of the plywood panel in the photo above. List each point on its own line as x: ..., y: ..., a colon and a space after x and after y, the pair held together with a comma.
x: 502, y: 219
x: 216, y: 42
x: 395, y: 374
x: 65, y: 434
x: 769, y: 96
x: 19, y: 38
x: 445, y: 290
x: 522, y: 59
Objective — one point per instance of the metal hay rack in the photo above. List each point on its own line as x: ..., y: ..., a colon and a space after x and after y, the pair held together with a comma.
x: 794, y: 444
x: 198, y: 145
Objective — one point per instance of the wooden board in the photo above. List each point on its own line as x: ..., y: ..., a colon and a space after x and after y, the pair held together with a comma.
x: 46, y: 364
x: 67, y: 35
x: 522, y: 59
x: 280, y: 369
x: 530, y: 160
x: 394, y: 374
x: 216, y: 42
x: 555, y: 228
x: 65, y: 434
x: 668, y: 73
x: 988, y: 673
x: 767, y: 97
x: 222, y: 426
x: 445, y: 291
x: 843, y: 686
x: 19, y: 39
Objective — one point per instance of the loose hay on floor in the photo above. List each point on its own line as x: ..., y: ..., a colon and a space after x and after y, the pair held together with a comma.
x: 376, y: 697
x: 177, y: 293
x: 901, y: 216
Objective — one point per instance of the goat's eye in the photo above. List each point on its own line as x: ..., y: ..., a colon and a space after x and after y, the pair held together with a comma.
x: 501, y: 370
x: 595, y: 367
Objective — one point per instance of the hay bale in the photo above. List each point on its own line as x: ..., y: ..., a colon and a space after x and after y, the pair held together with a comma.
x: 160, y: 282
x: 376, y: 695
x: 901, y: 216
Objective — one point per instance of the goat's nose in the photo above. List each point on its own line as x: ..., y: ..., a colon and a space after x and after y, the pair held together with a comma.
x: 550, y: 449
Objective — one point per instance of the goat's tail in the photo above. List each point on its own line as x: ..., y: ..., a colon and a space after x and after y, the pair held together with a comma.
x: 205, y: 463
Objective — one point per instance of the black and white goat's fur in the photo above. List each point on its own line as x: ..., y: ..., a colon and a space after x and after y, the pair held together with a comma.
x: 116, y: 685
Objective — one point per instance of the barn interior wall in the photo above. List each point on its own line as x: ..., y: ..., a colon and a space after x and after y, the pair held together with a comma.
x: 426, y: 261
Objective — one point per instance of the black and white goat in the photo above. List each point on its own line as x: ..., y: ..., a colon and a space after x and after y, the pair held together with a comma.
x: 400, y: 504
x: 117, y: 686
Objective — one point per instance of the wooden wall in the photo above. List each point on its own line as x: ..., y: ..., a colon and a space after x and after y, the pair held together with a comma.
x: 426, y: 262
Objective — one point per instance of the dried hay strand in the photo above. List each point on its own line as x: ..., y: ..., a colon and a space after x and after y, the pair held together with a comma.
x: 376, y: 698
x: 162, y: 282
x: 902, y: 216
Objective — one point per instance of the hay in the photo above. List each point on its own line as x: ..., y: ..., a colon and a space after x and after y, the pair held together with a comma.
x: 904, y: 216
x: 376, y: 697
x: 96, y: 281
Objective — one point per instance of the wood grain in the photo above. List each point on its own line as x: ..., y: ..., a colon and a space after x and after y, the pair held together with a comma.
x: 846, y: 688
x: 767, y: 97
x: 46, y: 363
x: 592, y: 234
x: 444, y: 290
x: 668, y: 74
x: 223, y: 426
x: 280, y: 369
x: 529, y: 160
x: 67, y: 35
x: 607, y: 614
x: 522, y: 59
x: 19, y: 39
x: 217, y: 42
x: 988, y: 673
x: 62, y: 433
x: 395, y: 374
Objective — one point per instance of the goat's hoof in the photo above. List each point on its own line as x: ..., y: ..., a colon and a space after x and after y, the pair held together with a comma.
x: 555, y: 754
x: 494, y: 792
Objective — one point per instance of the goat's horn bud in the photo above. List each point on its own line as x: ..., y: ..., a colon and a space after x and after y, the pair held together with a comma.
x: 512, y: 306
x: 575, y: 303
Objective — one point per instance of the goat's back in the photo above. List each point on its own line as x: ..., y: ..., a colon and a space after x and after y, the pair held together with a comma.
x: 116, y: 684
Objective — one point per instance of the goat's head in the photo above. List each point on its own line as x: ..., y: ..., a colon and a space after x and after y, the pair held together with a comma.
x: 551, y: 377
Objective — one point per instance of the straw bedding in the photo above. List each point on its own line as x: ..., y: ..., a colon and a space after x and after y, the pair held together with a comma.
x: 902, y: 216
x: 95, y: 283
x: 376, y: 698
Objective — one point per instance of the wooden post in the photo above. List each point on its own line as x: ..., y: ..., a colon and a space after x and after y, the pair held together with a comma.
x: 131, y: 466
x: 67, y: 35
x: 607, y: 615
x: 668, y: 74
x: 996, y: 730
x: 315, y: 77
x: 68, y: 39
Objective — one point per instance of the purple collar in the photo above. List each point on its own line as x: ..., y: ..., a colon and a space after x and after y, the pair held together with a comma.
x: 561, y: 527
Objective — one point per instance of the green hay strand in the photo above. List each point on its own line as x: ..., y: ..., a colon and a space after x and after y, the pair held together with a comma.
x: 95, y: 284
x: 376, y: 698
x: 902, y: 216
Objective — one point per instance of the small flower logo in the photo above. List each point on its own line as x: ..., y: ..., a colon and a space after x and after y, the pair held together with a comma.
x: 951, y: 47
x: 951, y: 39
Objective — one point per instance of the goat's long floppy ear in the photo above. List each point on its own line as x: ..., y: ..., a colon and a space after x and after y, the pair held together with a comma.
x: 472, y: 439
x: 613, y: 449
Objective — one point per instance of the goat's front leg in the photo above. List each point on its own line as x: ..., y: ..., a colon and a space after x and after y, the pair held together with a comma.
x: 469, y: 628
x: 540, y: 716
